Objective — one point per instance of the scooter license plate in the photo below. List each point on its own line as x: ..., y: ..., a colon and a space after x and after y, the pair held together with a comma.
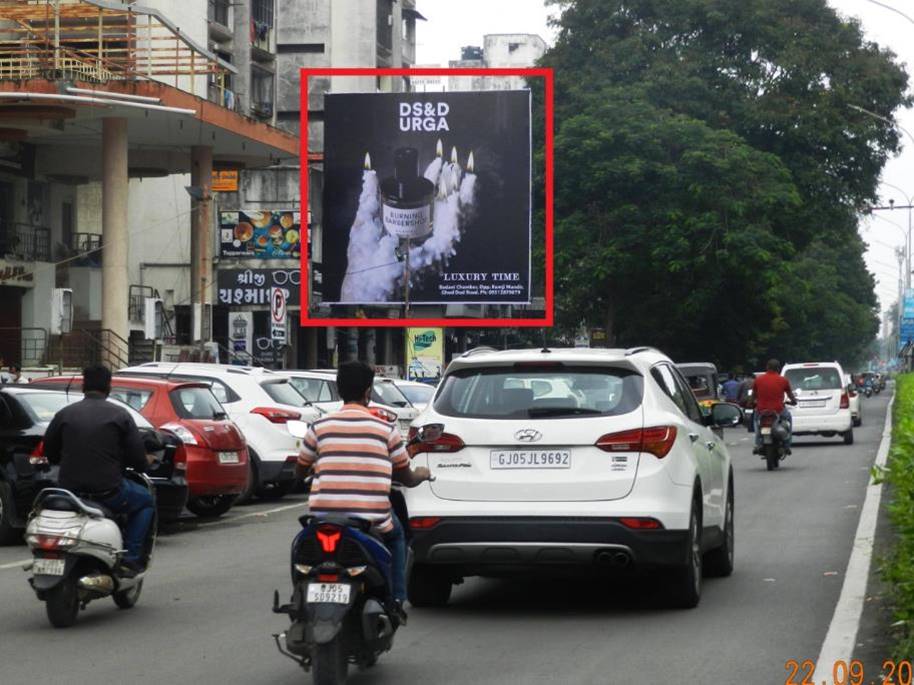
x: 766, y: 430
x: 329, y: 593
x: 48, y: 567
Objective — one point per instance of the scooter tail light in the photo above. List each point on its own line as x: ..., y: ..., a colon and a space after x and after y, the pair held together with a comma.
x: 329, y: 537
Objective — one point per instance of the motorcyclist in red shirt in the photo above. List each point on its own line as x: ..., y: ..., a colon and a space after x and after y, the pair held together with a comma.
x: 768, y: 395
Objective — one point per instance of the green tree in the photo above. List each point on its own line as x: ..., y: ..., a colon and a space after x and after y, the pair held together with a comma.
x: 709, y: 172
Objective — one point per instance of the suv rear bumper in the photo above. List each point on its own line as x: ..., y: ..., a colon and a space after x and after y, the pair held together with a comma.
x: 474, y: 543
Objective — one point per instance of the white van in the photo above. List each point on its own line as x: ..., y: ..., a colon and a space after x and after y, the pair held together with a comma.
x: 823, y: 405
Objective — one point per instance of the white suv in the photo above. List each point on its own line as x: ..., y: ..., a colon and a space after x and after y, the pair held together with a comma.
x: 823, y: 404
x: 611, y: 464
x: 260, y: 402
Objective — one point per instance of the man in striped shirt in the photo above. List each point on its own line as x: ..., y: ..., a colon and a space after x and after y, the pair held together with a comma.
x: 355, y: 456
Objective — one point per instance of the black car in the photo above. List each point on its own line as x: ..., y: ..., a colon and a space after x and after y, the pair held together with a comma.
x: 24, y: 417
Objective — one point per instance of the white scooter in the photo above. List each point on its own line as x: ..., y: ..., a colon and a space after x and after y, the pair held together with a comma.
x: 77, y: 546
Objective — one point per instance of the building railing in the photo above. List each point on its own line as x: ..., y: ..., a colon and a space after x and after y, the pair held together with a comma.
x: 26, y: 242
x: 95, y: 41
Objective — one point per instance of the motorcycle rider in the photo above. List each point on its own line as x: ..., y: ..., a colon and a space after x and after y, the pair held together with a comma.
x: 93, y: 440
x: 355, y: 456
x: 768, y: 392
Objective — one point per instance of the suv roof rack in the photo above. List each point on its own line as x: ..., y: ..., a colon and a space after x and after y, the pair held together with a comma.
x: 477, y: 350
x: 635, y: 350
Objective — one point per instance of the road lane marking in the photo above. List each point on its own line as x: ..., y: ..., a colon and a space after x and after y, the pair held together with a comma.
x: 842, y: 632
x: 15, y: 564
x: 253, y: 514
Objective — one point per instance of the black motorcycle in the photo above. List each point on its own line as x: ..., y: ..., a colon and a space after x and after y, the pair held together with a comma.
x: 775, y: 433
x: 341, y: 607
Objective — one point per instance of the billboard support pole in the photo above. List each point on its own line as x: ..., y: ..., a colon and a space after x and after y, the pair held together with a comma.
x: 406, y: 276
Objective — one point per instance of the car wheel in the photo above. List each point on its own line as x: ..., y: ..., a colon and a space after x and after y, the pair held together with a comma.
x: 857, y: 422
x: 8, y: 534
x: 428, y: 586
x: 253, y: 480
x: 62, y: 603
x: 127, y: 599
x: 719, y: 562
x: 274, y: 491
x: 849, y: 437
x: 685, y: 585
x: 211, y: 506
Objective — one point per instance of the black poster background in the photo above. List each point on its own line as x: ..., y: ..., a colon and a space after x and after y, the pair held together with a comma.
x: 494, y: 125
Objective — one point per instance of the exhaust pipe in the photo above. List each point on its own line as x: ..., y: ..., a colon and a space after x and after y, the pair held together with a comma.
x: 99, y: 583
x: 621, y: 559
x: 615, y: 559
x: 604, y: 558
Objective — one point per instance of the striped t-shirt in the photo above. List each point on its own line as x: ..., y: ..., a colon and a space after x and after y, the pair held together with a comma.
x: 354, y: 454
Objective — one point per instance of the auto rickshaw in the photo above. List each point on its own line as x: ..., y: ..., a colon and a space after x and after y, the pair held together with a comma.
x: 702, y: 378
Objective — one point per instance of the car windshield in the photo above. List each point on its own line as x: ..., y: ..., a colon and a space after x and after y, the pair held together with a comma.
x: 41, y: 406
x: 418, y: 394
x: 814, y: 379
x: 314, y: 389
x: 385, y: 392
x: 284, y: 393
x: 701, y: 386
x: 196, y: 403
x: 504, y: 393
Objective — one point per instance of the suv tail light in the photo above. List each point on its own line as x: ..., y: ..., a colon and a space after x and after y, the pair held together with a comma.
x: 383, y: 414
x: 845, y: 401
x: 36, y: 457
x: 424, y: 522
x: 640, y: 523
x: 448, y: 442
x: 329, y: 537
x: 657, y: 440
x: 277, y: 415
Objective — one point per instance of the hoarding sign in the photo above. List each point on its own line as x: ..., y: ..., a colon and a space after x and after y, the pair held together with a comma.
x: 224, y: 181
x: 252, y: 286
x: 424, y: 353
x: 436, y: 185
x: 257, y: 234
x: 241, y: 334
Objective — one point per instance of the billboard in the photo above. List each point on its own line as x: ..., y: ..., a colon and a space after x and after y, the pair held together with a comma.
x: 424, y: 354
x: 427, y: 198
x: 260, y: 234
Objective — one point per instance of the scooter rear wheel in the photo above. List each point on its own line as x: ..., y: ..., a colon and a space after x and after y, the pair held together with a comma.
x: 771, y: 457
x: 62, y: 603
x: 329, y: 665
x: 127, y: 599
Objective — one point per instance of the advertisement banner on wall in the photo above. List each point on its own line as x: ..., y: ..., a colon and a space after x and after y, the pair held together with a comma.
x: 252, y: 286
x: 436, y: 185
x: 257, y: 234
x: 424, y: 354
x: 241, y: 333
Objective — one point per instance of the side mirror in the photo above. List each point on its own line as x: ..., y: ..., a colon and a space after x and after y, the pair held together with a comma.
x: 430, y: 432
x: 725, y: 415
x: 298, y: 429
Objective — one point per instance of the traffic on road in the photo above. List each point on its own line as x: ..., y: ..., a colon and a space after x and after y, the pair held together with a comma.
x: 570, y: 496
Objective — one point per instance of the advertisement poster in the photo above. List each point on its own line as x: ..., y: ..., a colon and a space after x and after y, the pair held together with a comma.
x: 260, y: 234
x: 424, y: 354
x: 436, y: 185
x: 252, y: 286
x: 241, y: 335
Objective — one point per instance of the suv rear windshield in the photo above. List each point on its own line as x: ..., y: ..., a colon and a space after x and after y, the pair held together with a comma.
x: 385, y: 392
x: 284, y: 393
x: 819, y: 378
x: 196, y: 403
x: 554, y: 392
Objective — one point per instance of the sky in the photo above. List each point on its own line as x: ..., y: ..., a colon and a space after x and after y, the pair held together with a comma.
x: 452, y: 25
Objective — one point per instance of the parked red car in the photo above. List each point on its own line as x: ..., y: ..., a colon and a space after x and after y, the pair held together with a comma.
x: 213, y: 448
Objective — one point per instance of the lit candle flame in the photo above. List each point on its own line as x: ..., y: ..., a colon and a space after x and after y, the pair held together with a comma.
x: 439, y: 149
x: 470, y: 163
x: 367, y: 164
x: 453, y: 155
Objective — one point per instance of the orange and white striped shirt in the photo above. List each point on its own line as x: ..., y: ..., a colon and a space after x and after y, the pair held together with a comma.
x: 354, y: 454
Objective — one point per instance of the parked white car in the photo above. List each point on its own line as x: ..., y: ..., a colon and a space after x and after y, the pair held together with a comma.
x: 623, y: 470
x: 317, y: 387
x: 823, y: 404
x: 260, y: 402
x: 418, y: 394
x: 856, y: 401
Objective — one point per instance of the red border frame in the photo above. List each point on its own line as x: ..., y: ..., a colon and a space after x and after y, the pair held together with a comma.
x: 307, y: 321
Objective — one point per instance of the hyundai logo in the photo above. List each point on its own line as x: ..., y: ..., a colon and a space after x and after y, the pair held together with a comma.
x: 528, y: 435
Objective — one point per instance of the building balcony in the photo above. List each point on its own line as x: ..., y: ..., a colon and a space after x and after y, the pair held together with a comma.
x: 26, y: 243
